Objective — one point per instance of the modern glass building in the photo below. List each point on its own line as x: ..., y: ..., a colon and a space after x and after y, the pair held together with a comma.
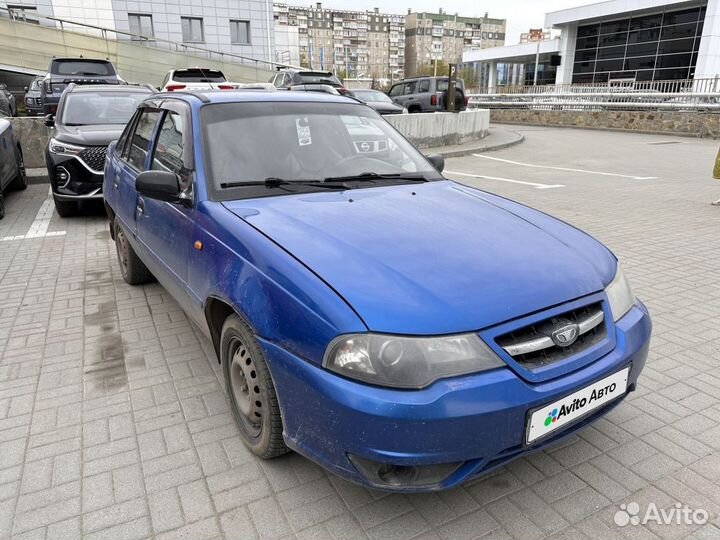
x: 617, y: 40
x: 660, y: 46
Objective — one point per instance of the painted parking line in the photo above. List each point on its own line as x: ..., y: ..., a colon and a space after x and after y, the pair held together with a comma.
x: 535, y: 166
x: 509, y: 180
x: 39, y: 226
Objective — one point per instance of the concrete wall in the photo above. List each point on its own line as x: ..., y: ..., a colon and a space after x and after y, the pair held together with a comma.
x: 426, y: 130
x: 31, y: 46
x: 33, y: 137
x: 697, y: 124
x: 423, y: 130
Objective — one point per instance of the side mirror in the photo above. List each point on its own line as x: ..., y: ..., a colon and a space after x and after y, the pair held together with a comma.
x: 437, y: 161
x: 159, y: 185
x: 25, y: 89
x: 49, y: 120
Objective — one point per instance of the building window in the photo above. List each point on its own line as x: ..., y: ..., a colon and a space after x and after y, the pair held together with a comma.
x: 24, y: 13
x: 192, y: 29
x: 240, y: 32
x: 140, y: 24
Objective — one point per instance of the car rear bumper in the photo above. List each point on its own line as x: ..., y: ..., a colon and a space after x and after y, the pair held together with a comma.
x: 476, y: 422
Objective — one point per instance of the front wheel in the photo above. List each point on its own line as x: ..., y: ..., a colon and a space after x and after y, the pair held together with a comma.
x: 2, y: 205
x: 20, y: 181
x: 251, y: 391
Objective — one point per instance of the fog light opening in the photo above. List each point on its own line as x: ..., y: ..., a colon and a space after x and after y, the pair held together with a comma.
x: 63, y: 177
x: 394, y: 475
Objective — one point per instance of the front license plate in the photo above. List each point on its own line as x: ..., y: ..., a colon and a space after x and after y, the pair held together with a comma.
x: 564, y: 411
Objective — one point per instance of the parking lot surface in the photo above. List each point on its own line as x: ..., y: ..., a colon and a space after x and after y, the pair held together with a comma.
x: 114, y: 423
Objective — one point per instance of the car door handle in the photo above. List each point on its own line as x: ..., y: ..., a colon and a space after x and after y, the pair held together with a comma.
x: 141, y: 207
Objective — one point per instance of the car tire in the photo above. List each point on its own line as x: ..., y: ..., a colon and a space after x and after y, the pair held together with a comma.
x: 65, y: 208
x: 133, y: 270
x: 2, y: 205
x: 250, y: 389
x: 20, y: 182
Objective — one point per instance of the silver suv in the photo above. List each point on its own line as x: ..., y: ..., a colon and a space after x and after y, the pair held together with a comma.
x: 427, y: 94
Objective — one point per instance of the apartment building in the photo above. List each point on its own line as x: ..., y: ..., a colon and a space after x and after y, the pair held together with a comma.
x: 354, y: 43
x: 444, y: 36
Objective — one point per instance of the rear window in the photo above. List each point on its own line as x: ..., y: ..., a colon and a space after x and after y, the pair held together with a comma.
x: 82, y: 68
x: 314, y: 77
x: 199, y: 76
x: 442, y: 84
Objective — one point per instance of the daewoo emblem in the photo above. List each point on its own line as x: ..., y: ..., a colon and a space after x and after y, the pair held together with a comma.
x: 365, y: 147
x: 565, y: 336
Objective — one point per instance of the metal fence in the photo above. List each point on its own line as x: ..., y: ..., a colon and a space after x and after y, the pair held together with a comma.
x: 109, y: 34
x: 678, y: 95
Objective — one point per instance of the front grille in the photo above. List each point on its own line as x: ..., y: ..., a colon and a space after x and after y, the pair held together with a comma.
x: 94, y: 157
x: 534, y: 347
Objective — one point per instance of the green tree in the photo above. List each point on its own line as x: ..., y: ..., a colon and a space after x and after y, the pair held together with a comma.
x: 468, y: 75
x: 429, y: 69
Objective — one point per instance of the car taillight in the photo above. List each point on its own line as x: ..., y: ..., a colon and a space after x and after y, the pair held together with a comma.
x: 53, y: 109
x: 433, y: 99
x: 48, y: 87
x: 173, y: 87
x: 467, y: 100
x: 342, y: 90
x: 225, y: 87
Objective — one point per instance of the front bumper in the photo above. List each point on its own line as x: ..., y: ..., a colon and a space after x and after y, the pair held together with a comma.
x: 477, y: 421
x: 82, y: 183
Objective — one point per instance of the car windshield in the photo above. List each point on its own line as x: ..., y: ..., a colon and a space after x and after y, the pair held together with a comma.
x: 82, y: 67
x: 198, y: 76
x: 309, y: 77
x: 96, y: 108
x: 371, y: 95
x: 251, y: 142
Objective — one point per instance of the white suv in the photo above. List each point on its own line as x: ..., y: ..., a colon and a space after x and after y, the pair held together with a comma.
x: 196, y: 78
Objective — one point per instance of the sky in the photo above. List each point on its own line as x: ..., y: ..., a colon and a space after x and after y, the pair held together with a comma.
x: 520, y: 14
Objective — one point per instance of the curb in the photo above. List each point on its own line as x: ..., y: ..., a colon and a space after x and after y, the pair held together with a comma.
x: 37, y: 176
x: 519, y: 137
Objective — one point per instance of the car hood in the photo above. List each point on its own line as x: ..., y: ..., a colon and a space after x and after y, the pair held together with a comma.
x: 100, y: 135
x: 384, y: 107
x: 433, y: 258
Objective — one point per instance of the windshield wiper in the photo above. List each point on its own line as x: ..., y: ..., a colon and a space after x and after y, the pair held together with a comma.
x: 373, y: 176
x: 273, y: 182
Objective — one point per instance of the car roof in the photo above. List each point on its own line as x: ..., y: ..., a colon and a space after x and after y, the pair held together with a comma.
x: 80, y: 59
x: 250, y: 95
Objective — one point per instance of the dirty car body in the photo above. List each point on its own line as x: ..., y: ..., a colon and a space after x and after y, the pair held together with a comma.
x: 404, y: 331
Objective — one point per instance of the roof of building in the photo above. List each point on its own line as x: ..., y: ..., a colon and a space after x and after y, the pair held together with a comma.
x: 608, y: 9
x: 521, y: 53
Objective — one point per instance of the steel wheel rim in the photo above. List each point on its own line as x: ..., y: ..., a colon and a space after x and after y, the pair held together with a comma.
x: 21, y: 166
x: 245, y: 387
x: 122, y: 251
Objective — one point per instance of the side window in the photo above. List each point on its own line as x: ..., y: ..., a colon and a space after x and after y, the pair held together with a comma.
x: 140, y: 142
x: 424, y: 85
x: 396, y: 90
x: 285, y: 80
x: 410, y: 88
x: 120, y: 146
x: 169, y: 150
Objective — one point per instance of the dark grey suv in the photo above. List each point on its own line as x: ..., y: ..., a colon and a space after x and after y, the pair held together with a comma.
x: 427, y: 94
x: 64, y: 71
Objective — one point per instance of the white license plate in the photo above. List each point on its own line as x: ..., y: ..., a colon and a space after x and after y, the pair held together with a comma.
x: 564, y: 411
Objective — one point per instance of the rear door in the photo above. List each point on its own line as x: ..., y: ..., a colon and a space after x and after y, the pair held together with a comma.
x: 7, y: 153
x: 131, y: 162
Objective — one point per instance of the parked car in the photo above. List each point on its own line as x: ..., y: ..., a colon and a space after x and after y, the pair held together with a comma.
x: 33, y: 98
x: 378, y: 101
x: 427, y: 94
x: 65, y: 71
x: 196, y: 78
x: 287, y: 77
x: 8, y: 104
x: 88, y: 119
x: 402, y: 330
x: 12, y: 166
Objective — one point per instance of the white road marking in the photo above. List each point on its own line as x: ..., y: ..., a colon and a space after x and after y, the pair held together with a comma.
x: 510, y: 180
x: 535, y: 166
x: 39, y: 226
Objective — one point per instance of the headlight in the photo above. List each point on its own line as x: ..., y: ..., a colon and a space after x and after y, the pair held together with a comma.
x: 619, y: 294
x: 408, y: 362
x: 57, y: 147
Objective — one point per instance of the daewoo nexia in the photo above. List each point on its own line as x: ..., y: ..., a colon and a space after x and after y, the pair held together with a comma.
x: 404, y: 331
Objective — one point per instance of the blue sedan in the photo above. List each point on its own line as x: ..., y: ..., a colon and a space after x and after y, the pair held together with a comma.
x: 404, y: 331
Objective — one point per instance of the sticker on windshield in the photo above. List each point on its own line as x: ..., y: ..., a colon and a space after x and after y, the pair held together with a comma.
x: 303, y: 131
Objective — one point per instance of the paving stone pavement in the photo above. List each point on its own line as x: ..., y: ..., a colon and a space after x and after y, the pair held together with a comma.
x: 114, y: 423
